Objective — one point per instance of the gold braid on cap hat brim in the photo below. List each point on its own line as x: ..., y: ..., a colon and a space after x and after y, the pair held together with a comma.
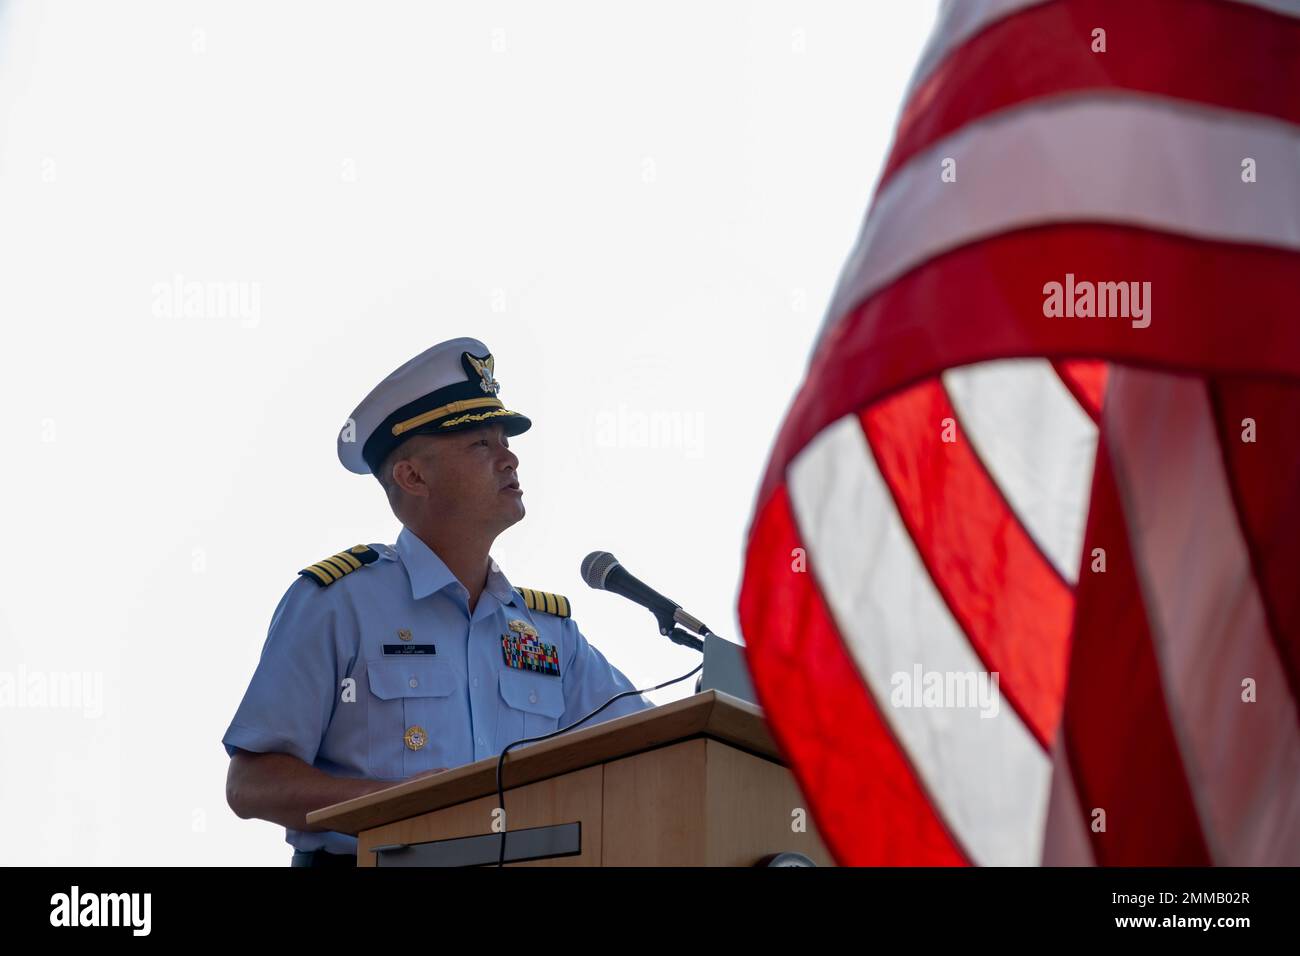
x: 449, y: 409
x: 476, y: 418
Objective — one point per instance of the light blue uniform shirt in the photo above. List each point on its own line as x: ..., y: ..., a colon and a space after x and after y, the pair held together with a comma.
x: 465, y: 697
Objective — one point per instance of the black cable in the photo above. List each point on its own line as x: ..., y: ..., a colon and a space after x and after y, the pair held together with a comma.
x: 501, y: 794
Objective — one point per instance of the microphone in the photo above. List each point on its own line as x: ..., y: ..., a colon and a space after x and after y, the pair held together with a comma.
x: 602, y: 571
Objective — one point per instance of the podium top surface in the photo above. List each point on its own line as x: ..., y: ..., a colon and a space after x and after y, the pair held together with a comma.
x: 707, y: 714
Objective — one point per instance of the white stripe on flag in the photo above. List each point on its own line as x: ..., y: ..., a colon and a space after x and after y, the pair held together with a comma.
x: 988, y: 777
x: 1037, y: 444
x: 1066, y: 841
x: 1207, y: 619
x: 1082, y: 159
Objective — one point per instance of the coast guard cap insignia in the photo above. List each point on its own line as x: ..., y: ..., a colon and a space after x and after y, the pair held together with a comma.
x: 484, y: 367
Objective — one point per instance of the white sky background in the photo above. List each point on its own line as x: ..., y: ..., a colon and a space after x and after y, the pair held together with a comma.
x: 642, y: 210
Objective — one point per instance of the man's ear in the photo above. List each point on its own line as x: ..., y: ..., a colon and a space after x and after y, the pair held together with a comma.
x: 411, y: 472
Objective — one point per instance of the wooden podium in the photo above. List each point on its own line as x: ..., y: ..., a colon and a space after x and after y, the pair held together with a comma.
x: 697, y: 782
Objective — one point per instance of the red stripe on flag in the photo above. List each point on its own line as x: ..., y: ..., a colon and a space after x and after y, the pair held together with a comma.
x: 863, y: 793
x: 1005, y: 594
x: 1086, y: 382
x: 1220, y: 54
x: 1123, y: 753
x: 1264, y: 475
x: 987, y: 299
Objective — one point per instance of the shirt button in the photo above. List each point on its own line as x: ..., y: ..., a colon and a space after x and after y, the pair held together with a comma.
x: 414, y: 682
x: 475, y: 681
x: 480, y: 742
x: 532, y: 698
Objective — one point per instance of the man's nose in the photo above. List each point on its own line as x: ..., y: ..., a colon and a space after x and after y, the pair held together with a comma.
x: 510, y: 458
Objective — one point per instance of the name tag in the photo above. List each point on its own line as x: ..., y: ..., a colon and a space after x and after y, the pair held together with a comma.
x: 404, y: 650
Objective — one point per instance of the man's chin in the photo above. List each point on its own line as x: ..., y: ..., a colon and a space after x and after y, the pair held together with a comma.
x: 513, y: 512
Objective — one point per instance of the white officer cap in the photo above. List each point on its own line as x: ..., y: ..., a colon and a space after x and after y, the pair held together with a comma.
x: 448, y: 388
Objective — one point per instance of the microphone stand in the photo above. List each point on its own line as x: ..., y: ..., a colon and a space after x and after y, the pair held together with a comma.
x: 686, y: 639
x: 669, y: 629
x: 719, y: 653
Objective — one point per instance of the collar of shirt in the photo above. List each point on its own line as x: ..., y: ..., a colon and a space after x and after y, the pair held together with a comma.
x: 429, y: 574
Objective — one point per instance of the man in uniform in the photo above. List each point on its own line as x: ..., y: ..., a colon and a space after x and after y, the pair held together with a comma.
x: 387, y: 662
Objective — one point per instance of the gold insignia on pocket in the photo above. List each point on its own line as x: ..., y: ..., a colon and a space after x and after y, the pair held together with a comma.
x: 523, y: 627
x: 404, y: 633
x: 415, y: 737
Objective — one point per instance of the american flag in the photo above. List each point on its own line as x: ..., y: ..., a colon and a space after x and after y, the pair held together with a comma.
x: 982, y: 473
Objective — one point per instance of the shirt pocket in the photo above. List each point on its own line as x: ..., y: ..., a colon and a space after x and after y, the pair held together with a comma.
x: 413, y: 699
x: 531, y: 705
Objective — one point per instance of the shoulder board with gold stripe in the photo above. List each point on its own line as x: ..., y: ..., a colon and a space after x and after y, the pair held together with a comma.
x: 556, y: 604
x: 328, y: 570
